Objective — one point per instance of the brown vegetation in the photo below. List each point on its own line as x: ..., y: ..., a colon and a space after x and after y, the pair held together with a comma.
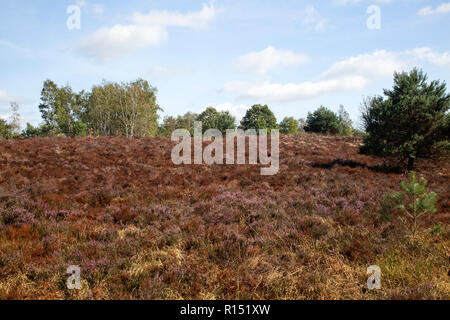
x: 142, y: 228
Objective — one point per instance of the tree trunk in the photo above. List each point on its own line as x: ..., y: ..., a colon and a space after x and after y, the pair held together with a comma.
x: 410, y: 164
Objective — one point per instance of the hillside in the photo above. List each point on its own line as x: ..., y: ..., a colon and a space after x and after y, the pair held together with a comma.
x: 142, y: 228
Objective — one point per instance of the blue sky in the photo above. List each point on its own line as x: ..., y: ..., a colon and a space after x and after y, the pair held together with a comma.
x: 292, y: 55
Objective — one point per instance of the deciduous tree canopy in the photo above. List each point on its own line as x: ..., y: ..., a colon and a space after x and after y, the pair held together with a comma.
x: 212, y: 119
x: 259, y: 117
x: 128, y: 109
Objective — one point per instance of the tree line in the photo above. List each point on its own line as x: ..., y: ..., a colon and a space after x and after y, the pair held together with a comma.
x: 128, y: 109
x: 409, y: 121
x: 322, y: 121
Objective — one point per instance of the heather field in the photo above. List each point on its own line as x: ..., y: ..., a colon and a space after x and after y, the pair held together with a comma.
x: 140, y: 227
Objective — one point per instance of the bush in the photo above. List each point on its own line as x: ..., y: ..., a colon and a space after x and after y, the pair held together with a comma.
x: 413, y: 120
x: 212, y: 119
x: 323, y: 121
x: 259, y: 117
x: 289, y: 126
x: 170, y: 124
x: 6, y: 130
x: 79, y: 129
x: 30, y: 131
x: 413, y: 203
x: 44, y: 130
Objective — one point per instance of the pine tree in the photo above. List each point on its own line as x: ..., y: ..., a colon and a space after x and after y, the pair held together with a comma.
x: 323, y: 120
x: 411, y: 122
x: 414, y: 202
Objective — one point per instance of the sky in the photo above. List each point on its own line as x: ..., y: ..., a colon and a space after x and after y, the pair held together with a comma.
x: 231, y: 54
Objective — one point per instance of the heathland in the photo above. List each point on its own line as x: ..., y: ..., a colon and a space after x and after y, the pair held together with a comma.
x: 140, y: 227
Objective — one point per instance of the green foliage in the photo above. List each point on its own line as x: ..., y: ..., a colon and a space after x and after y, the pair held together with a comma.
x: 437, y: 229
x: 208, y: 119
x: 413, y: 203
x: 30, y: 132
x: 412, y: 121
x: 259, y: 117
x: 358, y: 133
x: 60, y: 108
x: 128, y: 109
x: 345, y: 123
x: 187, y: 122
x: 170, y: 124
x: 11, y: 129
x: 6, y: 130
x: 212, y: 119
x: 323, y: 121
x: 289, y: 126
x: 80, y: 129
x: 225, y: 121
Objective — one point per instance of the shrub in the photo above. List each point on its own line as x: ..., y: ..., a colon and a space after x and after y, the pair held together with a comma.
x: 79, y: 129
x: 30, y: 131
x: 170, y: 124
x: 323, y: 121
x: 212, y: 119
x: 259, y: 117
x: 6, y: 130
x: 289, y: 126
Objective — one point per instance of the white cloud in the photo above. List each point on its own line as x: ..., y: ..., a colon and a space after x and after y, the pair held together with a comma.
x: 379, y: 63
x: 5, y: 116
x: 434, y: 57
x: 196, y: 20
x: 345, y: 2
x: 5, y: 97
x: 353, y: 73
x: 146, y: 30
x: 270, y: 58
x: 313, y: 19
x: 441, y: 9
x: 293, y: 91
x: 121, y: 39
